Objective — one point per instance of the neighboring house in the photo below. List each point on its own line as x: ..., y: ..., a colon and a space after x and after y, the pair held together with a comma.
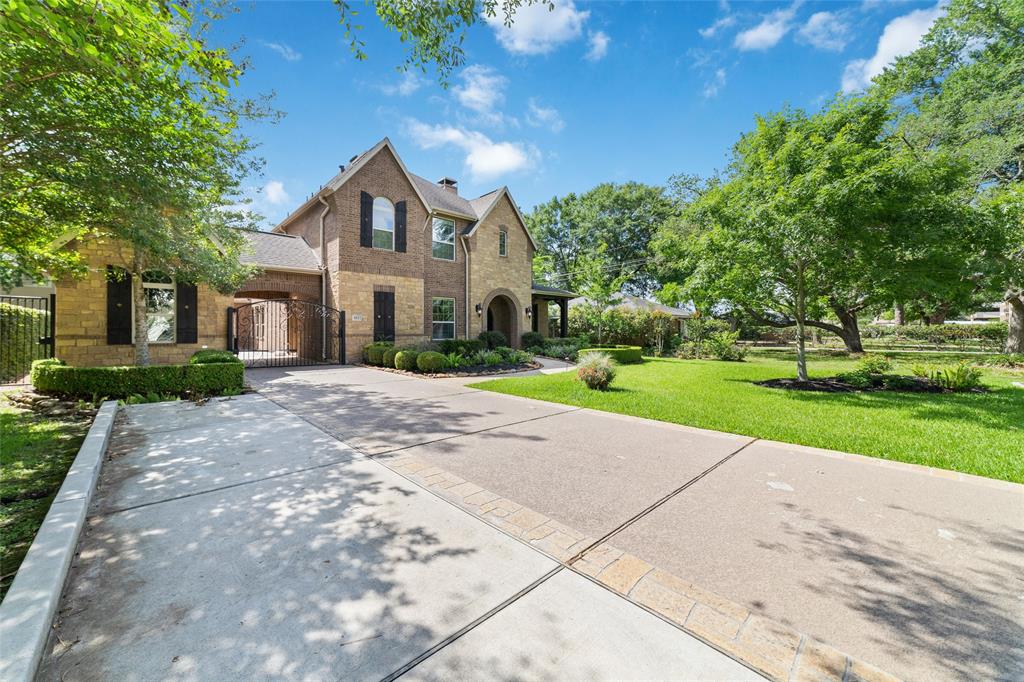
x: 406, y: 260
x: 626, y: 302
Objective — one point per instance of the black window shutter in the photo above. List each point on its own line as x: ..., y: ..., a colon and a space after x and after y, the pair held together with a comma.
x: 186, y: 313
x: 119, y: 307
x: 400, y: 226
x: 365, y: 219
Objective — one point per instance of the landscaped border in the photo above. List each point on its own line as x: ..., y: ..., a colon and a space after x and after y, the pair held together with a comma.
x: 454, y: 375
x: 775, y: 650
x: 27, y: 612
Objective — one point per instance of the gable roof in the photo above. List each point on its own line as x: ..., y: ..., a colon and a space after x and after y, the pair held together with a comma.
x: 276, y: 251
x: 436, y: 198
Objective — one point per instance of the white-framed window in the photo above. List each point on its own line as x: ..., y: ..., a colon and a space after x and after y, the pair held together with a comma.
x: 383, y: 224
x: 158, y: 290
x: 503, y: 243
x: 444, y: 239
x: 444, y: 319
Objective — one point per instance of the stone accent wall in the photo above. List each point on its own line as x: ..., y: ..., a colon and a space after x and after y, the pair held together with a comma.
x: 542, y: 318
x: 299, y: 284
x: 82, y: 315
x: 357, y: 302
x: 490, y: 273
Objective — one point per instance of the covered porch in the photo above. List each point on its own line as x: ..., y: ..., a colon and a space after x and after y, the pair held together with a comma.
x: 543, y: 297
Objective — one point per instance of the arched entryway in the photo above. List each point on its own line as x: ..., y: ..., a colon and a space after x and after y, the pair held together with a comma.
x: 501, y: 316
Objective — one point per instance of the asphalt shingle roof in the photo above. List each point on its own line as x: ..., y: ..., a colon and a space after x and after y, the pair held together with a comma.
x: 271, y: 249
x: 442, y: 199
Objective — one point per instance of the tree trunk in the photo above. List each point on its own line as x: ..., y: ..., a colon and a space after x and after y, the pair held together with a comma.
x: 1015, y: 332
x: 851, y: 331
x: 141, y: 332
x: 801, y: 355
x: 898, y: 316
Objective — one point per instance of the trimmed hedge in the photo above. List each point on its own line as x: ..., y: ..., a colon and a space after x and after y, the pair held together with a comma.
x: 406, y: 359
x: 212, y: 357
x: 430, y: 361
x: 389, y: 357
x: 374, y: 352
x: 465, y: 346
x: 53, y: 376
x: 493, y: 339
x: 624, y: 355
x: 532, y: 340
x: 18, y: 323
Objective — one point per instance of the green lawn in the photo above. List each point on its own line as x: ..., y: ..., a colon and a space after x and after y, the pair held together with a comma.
x: 35, y: 454
x: 974, y: 433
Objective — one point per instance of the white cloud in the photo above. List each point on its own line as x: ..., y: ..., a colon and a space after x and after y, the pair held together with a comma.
x: 719, y: 25
x: 482, y: 89
x: 599, y: 42
x: 275, y: 194
x: 485, y: 159
x: 825, y: 31
x: 285, y: 51
x: 712, y: 87
x: 410, y: 83
x: 773, y: 27
x: 536, y: 30
x: 901, y: 36
x: 543, y: 117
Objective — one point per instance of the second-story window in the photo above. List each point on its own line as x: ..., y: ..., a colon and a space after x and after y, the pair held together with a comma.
x: 503, y: 243
x: 383, y: 224
x: 444, y: 239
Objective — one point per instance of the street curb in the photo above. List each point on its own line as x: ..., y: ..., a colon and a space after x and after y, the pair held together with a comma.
x: 27, y: 611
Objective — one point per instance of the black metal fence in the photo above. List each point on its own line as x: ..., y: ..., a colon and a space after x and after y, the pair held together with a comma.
x: 27, y: 331
x: 286, y: 333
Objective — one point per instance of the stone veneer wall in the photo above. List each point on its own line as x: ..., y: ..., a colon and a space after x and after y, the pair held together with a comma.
x: 82, y: 314
x: 489, y: 272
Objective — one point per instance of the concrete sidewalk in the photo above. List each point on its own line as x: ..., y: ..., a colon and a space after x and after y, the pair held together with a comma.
x: 905, y: 568
x: 235, y: 540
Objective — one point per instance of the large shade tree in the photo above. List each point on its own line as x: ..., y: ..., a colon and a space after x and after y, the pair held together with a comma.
x: 819, y: 217
x: 117, y: 119
x: 963, y: 92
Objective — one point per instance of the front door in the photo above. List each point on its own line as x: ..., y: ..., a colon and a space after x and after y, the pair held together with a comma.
x: 384, y: 316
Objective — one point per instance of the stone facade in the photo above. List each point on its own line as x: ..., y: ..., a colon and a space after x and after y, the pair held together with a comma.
x: 281, y: 284
x: 82, y: 315
x: 493, y: 275
x: 356, y: 300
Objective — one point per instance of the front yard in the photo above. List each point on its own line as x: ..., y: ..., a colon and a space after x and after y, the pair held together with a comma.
x: 974, y: 433
x: 35, y: 454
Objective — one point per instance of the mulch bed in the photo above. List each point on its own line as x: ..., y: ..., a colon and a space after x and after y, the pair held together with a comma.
x: 477, y: 371
x: 835, y: 385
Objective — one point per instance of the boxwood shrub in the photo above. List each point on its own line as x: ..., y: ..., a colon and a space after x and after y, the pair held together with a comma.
x: 389, y: 357
x: 374, y: 352
x: 624, y: 355
x: 212, y: 357
x: 53, y: 376
x: 430, y: 361
x: 465, y: 346
x: 406, y: 359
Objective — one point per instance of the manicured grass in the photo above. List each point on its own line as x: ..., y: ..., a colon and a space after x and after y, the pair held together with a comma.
x: 973, y: 433
x: 35, y: 454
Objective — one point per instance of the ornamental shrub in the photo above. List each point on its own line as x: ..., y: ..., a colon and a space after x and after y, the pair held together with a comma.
x: 875, y: 364
x: 493, y: 339
x: 624, y: 355
x: 723, y: 346
x: 406, y: 359
x: 374, y: 352
x: 596, y: 370
x: 212, y: 357
x: 19, y: 323
x: 464, y: 346
x: 493, y: 358
x: 53, y: 376
x: 533, y: 340
x: 389, y: 357
x: 431, y: 361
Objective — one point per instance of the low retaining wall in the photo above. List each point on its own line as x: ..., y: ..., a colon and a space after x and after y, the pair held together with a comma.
x: 28, y: 609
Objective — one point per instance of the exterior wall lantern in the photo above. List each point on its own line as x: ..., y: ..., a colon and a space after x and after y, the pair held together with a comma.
x: 479, y: 310
x: 529, y: 311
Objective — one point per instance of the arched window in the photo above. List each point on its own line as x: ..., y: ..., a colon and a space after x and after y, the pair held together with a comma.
x: 383, y: 224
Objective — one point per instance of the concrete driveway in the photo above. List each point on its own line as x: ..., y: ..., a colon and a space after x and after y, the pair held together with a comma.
x: 783, y: 556
x: 237, y: 541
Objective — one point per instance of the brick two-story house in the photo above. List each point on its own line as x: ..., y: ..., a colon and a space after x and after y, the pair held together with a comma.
x: 390, y: 255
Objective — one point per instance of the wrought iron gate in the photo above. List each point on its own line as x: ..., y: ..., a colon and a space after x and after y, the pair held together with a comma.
x: 27, y: 325
x: 286, y: 333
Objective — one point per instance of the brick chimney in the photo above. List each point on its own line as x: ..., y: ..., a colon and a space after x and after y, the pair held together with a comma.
x: 450, y: 184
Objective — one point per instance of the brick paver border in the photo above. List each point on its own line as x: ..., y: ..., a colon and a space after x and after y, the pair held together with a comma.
x: 775, y: 650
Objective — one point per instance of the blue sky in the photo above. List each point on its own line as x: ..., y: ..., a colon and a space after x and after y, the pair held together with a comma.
x: 592, y: 92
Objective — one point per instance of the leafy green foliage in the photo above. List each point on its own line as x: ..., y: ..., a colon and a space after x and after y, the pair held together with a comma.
x: 53, y: 376
x: 373, y: 353
x: 723, y: 346
x: 16, y: 323
x: 388, y: 359
x: 959, y: 377
x: 492, y: 339
x: 875, y: 364
x: 464, y: 346
x: 532, y: 340
x: 212, y: 357
x: 430, y: 361
x: 406, y: 360
x: 623, y: 355
x: 596, y: 370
